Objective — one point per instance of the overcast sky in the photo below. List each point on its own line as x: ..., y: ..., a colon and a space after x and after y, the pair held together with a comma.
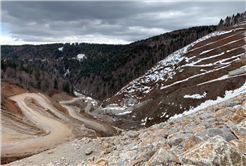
x: 110, y: 22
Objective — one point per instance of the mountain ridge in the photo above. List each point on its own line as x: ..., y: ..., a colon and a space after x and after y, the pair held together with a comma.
x: 118, y: 63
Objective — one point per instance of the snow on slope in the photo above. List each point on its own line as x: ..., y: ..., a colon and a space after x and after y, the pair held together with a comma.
x: 81, y: 56
x: 86, y: 99
x: 167, y: 68
x: 196, y: 96
x: 228, y: 95
x: 60, y: 49
x: 207, y: 61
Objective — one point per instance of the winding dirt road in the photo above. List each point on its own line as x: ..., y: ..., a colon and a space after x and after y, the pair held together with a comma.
x: 94, y: 124
x: 102, y: 128
x: 56, y: 126
x: 55, y: 130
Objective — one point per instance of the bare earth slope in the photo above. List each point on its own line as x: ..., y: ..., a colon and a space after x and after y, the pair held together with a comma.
x: 41, y: 127
x: 186, y: 78
x: 55, y: 130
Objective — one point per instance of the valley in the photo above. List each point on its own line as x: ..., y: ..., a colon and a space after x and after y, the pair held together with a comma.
x: 127, y: 108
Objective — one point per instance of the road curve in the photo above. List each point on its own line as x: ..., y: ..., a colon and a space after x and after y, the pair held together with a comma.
x: 55, y: 131
x: 101, y: 127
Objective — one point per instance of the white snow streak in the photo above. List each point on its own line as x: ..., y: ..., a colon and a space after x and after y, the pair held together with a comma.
x: 228, y: 95
x: 196, y: 96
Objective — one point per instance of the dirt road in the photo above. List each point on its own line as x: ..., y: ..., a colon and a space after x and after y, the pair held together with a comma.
x: 103, y: 128
x: 56, y: 126
x: 55, y: 130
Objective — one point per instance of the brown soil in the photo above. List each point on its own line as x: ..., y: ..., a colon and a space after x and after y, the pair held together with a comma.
x: 6, y: 160
x: 57, y: 105
x: 9, y: 105
x: 8, y: 90
x: 33, y: 91
x: 62, y: 97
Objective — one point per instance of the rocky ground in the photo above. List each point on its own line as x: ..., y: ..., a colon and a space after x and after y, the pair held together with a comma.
x: 212, y: 136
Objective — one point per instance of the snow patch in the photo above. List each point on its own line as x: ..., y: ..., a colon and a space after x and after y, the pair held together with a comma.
x: 163, y: 114
x: 86, y: 98
x: 67, y: 72
x: 124, y: 113
x: 81, y: 56
x: 60, y: 49
x: 144, y: 121
x: 195, y: 96
x: 228, y: 95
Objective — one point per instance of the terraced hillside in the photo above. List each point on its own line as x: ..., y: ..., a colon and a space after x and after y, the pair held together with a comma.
x: 186, y: 78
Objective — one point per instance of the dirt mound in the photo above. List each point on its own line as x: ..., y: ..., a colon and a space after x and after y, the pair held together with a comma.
x: 8, y: 90
x: 32, y: 91
x: 58, y: 106
x: 62, y: 97
x: 9, y: 105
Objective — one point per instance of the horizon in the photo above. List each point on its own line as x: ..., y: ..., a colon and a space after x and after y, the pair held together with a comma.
x: 64, y: 43
x: 117, y: 23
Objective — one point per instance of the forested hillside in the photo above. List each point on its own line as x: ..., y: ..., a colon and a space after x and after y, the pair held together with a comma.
x: 31, y: 78
x: 105, y: 68
x: 234, y: 19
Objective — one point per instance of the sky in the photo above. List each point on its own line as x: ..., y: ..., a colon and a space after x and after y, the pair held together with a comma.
x: 109, y: 22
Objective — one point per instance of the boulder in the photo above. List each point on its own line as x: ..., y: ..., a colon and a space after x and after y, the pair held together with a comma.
x: 176, y: 139
x: 239, y: 144
x: 147, y: 155
x: 190, y: 142
x: 239, y: 130
x: 223, y: 132
x: 102, y: 162
x: 106, y: 145
x: 132, y: 134
x: 88, y: 151
x: 222, y: 113
x: 133, y: 163
x: 162, y: 156
x: 214, y: 151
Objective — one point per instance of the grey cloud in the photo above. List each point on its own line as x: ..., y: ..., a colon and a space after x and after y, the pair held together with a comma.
x: 45, y: 20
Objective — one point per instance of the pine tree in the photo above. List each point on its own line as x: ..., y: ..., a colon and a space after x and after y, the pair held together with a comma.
x: 56, y: 84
